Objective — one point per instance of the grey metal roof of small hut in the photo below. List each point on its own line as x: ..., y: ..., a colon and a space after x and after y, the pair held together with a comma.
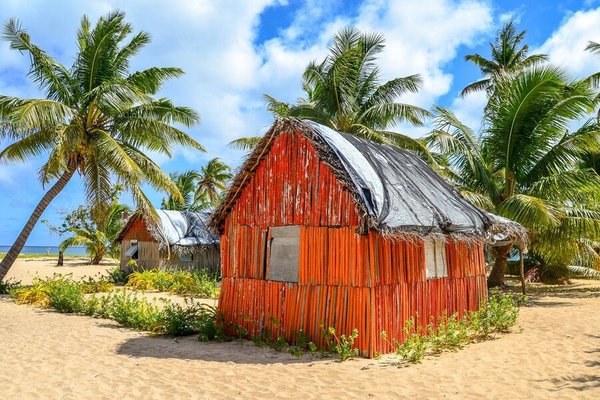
x: 184, y: 228
x: 397, y: 191
x: 180, y: 230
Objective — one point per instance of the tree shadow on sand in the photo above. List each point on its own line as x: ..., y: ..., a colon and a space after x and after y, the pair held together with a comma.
x: 189, y: 348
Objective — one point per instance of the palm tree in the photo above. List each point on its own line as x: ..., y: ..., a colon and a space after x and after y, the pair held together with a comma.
x: 594, y: 47
x: 345, y: 92
x: 186, y: 182
x: 526, y: 166
x: 508, y: 57
x: 97, y: 118
x: 212, y: 181
x: 99, y: 242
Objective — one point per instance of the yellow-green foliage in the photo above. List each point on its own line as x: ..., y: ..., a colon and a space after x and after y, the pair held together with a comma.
x: 60, y: 292
x: 180, y: 282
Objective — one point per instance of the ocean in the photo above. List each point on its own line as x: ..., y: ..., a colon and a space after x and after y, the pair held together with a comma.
x: 50, y: 250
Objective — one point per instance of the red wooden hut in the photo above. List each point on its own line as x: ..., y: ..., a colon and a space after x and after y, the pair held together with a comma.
x: 325, y: 229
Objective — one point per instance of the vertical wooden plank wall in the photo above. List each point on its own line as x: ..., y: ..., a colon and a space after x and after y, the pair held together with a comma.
x: 346, y: 280
x: 402, y: 291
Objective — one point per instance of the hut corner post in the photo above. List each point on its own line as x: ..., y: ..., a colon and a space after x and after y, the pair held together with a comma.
x: 522, y: 269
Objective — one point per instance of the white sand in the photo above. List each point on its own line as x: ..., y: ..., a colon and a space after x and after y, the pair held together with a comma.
x: 49, y: 355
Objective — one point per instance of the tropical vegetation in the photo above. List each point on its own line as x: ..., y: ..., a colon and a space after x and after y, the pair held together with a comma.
x: 508, y: 57
x: 526, y: 165
x: 98, y: 119
x: 345, y: 92
x: 200, y: 190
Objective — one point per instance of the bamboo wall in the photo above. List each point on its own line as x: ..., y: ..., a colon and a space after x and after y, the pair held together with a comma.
x: 345, y: 280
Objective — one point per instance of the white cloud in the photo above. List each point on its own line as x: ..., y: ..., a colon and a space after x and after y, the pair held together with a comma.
x: 469, y: 109
x: 566, y: 45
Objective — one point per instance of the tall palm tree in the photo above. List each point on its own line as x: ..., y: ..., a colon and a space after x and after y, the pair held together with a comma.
x: 212, y: 181
x: 345, y: 92
x: 97, y: 118
x: 508, y: 57
x: 187, y: 184
x: 527, y: 165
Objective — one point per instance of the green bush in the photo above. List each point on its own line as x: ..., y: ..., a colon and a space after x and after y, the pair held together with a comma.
x: 414, y: 346
x: 185, y: 320
x: 198, y: 283
x: 118, y: 276
x: 129, y: 310
x: 65, y: 296
x: 342, y: 346
x: 96, y: 285
x: 8, y: 286
x: 497, y: 315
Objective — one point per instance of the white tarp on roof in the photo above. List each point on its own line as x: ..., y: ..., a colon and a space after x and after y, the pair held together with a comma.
x: 184, y: 228
x: 399, y: 189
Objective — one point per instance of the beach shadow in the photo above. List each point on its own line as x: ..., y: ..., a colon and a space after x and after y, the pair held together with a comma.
x: 578, y: 383
x: 189, y: 348
x: 548, y: 304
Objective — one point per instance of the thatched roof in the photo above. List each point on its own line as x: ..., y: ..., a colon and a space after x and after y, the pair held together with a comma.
x: 397, y: 193
x: 179, y: 231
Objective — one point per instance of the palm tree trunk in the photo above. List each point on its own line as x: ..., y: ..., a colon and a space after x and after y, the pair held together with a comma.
x: 496, y: 277
x: 16, y: 248
x: 60, y: 259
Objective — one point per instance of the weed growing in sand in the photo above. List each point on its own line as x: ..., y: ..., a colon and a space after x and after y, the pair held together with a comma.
x: 192, y: 318
x: 8, y: 286
x: 59, y: 292
x: 96, y: 285
x: 414, y: 346
x: 449, y: 334
x: 496, y: 315
x: 127, y: 309
x: 342, y: 346
x: 118, y: 276
x: 199, y: 283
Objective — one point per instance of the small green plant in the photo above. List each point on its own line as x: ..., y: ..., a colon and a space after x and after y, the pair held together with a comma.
x: 96, y: 285
x: 185, y: 320
x: 449, y: 334
x: 118, y: 275
x: 415, y: 344
x: 496, y: 315
x: 198, y: 283
x: 8, y: 286
x: 65, y: 296
x: 342, y: 346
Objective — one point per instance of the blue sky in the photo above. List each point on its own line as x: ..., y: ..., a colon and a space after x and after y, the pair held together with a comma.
x: 235, y: 51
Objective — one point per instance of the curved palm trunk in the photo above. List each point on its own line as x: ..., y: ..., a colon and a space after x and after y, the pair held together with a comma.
x: 496, y: 277
x: 16, y: 248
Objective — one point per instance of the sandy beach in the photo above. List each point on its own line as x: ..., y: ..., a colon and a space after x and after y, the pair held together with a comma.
x: 55, y: 356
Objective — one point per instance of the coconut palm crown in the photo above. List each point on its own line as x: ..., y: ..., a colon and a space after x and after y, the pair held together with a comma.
x: 526, y: 165
x: 507, y: 57
x: 345, y: 92
x: 97, y: 119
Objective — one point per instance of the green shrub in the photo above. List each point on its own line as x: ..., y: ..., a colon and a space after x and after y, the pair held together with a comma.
x: 415, y: 344
x: 96, y: 285
x: 117, y: 275
x: 177, y: 320
x: 342, y: 346
x: 8, y: 286
x: 198, y: 283
x: 131, y: 311
x: 497, y: 315
x: 65, y: 296
x: 450, y: 334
